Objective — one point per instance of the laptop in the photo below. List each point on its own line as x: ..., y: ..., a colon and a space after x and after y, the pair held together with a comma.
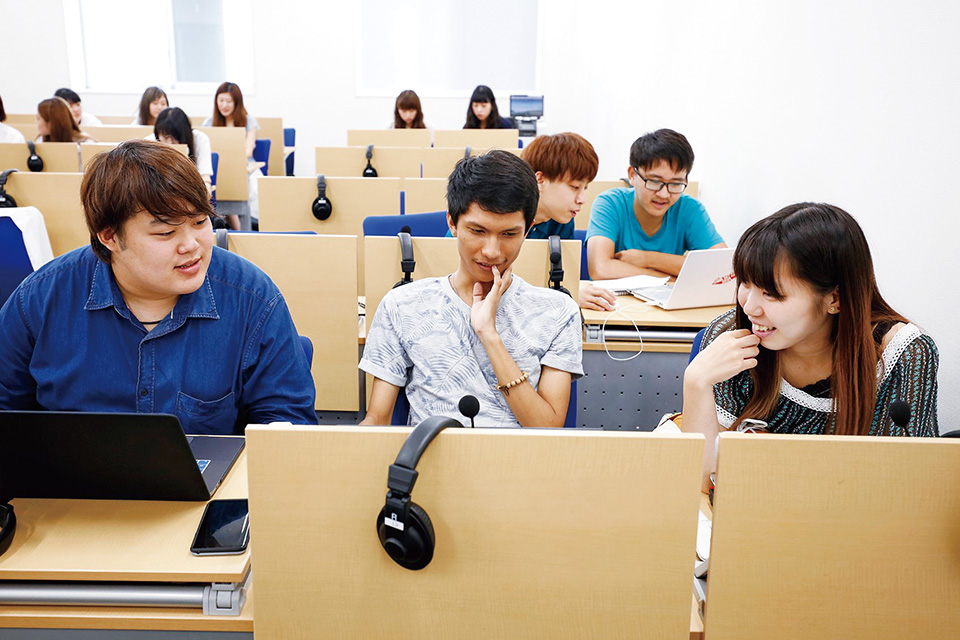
x: 109, y: 456
x: 706, y: 280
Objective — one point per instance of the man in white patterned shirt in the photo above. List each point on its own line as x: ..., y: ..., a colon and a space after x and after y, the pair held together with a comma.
x: 481, y: 330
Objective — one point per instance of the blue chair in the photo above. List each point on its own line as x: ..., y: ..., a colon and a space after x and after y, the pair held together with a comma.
x: 261, y: 153
x: 215, y: 160
x: 422, y: 225
x: 15, y: 264
x: 581, y: 235
x: 695, y: 347
x: 290, y: 140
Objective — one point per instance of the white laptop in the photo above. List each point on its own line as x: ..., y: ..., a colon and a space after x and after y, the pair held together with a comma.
x: 706, y: 280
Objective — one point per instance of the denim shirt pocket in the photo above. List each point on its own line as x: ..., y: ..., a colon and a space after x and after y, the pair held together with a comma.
x: 203, y: 417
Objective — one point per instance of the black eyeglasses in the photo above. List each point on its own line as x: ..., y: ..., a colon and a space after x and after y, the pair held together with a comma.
x: 656, y: 185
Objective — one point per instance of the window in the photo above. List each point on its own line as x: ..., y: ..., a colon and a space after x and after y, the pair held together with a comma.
x: 178, y: 45
x: 442, y: 48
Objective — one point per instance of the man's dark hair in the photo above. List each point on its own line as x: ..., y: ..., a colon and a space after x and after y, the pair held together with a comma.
x: 71, y: 96
x: 663, y: 144
x: 497, y: 181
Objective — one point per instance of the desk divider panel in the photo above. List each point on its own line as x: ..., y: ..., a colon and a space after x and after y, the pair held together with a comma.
x: 318, y: 278
x: 118, y: 133
x: 539, y: 534
x: 230, y: 143
x: 89, y: 151
x: 272, y: 129
x: 58, y: 157
x: 349, y: 162
x: 28, y: 129
x: 286, y: 204
x: 389, y: 137
x: 57, y: 196
x: 127, y: 119
x: 20, y: 118
x: 437, y: 257
x: 423, y: 195
x: 835, y: 537
x: 477, y: 138
x: 582, y: 221
x: 438, y: 162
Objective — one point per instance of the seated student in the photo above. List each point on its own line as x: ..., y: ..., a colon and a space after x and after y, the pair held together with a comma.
x: 483, y: 113
x: 173, y: 127
x: 649, y: 228
x: 228, y: 111
x: 8, y: 133
x: 152, y: 102
x: 811, y: 346
x: 564, y: 164
x: 152, y: 318
x: 481, y: 330
x: 407, y: 113
x: 55, y: 123
x: 73, y: 100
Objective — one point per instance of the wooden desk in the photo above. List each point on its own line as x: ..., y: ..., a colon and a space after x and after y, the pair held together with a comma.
x: 119, y: 540
x: 389, y: 137
x: 272, y: 129
x: 57, y: 196
x: 480, y: 139
x: 424, y: 195
x: 118, y: 133
x: 389, y: 162
x: 58, y: 157
x: 438, y: 161
x: 230, y: 143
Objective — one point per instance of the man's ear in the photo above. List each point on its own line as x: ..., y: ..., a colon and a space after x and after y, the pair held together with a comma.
x: 453, y: 227
x: 540, y: 178
x: 110, y: 239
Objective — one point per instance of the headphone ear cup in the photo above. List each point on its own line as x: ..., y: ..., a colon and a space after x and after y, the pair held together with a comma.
x: 34, y: 162
x: 412, y: 548
x: 322, y: 208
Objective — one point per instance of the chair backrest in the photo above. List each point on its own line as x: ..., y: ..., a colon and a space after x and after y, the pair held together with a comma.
x: 261, y: 153
x: 14, y: 262
x: 581, y: 235
x: 423, y: 225
x: 215, y: 161
x: 290, y: 140
x: 834, y: 537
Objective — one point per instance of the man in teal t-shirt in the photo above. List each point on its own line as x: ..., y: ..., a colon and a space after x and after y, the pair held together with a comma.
x: 649, y: 228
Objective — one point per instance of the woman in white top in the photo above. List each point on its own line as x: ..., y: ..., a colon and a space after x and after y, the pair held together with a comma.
x: 8, y: 133
x: 173, y: 127
x: 228, y: 111
x: 152, y: 102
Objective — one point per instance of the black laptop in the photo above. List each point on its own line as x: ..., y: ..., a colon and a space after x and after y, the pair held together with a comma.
x: 109, y: 456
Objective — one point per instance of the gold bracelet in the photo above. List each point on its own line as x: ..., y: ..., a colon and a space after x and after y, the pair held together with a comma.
x: 510, y: 385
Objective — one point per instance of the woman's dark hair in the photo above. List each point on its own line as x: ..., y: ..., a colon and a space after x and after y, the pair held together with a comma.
x: 151, y: 95
x: 139, y: 176
x: 173, y: 122
x: 823, y: 246
x: 483, y: 93
x: 408, y: 100
x: 63, y: 128
x: 239, y: 114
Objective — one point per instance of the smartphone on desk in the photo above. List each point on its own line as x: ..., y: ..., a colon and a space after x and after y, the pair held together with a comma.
x: 224, y: 528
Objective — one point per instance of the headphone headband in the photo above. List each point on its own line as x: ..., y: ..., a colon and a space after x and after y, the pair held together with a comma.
x: 321, y: 183
x: 369, y: 152
x: 4, y: 175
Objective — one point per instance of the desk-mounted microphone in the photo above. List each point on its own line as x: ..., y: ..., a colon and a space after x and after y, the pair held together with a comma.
x: 470, y: 407
x: 900, y: 414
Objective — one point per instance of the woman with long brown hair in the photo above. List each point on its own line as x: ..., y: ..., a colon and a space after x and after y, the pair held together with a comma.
x: 55, y: 123
x: 407, y: 113
x: 152, y: 102
x: 811, y: 347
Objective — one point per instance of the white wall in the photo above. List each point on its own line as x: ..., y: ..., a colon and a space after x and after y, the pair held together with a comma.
x: 853, y: 103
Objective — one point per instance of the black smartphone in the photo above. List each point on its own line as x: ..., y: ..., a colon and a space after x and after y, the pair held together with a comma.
x: 224, y: 528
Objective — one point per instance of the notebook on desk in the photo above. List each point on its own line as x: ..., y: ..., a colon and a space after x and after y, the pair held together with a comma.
x: 705, y: 280
x: 109, y: 456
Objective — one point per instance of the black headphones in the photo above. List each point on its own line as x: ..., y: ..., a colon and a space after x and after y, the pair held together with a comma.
x: 556, y: 265
x: 404, y: 528
x: 8, y: 525
x: 6, y: 200
x: 322, y: 207
x: 407, y: 263
x: 34, y: 162
x: 369, y: 172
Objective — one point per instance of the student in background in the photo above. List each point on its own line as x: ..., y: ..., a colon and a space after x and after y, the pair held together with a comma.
x: 483, y: 113
x: 55, y: 123
x: 648, y: 228
x: 407, y: 113
x: 8, y: 133
x: 481, y: 330
x: 73, y: 100
x: 564, y: 164
x: 151, y: 317
x: 152, y: 102
x: 228, y: 111
x: 173, y: 127
x: 811, y: 347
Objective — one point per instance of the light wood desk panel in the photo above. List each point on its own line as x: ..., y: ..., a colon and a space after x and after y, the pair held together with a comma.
x: 481, y: 139
x: 272, y: 129
x: 58, y: 157
x: 532, y: 539
x: 438, y: 162
x: 389, y: 162
x: 230, y: 143
x: 28, y: 129
x: 124, y: 120
x: 57, y: 196
x: 118, y: 133
x: 424, y: 195
x: 389, y: 137
x: 89, y: 151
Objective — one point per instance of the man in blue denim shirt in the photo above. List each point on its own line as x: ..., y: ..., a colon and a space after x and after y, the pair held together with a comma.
x: 152, y: 318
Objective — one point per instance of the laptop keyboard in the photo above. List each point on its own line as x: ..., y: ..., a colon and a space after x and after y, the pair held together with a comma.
x: 660, y: 293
